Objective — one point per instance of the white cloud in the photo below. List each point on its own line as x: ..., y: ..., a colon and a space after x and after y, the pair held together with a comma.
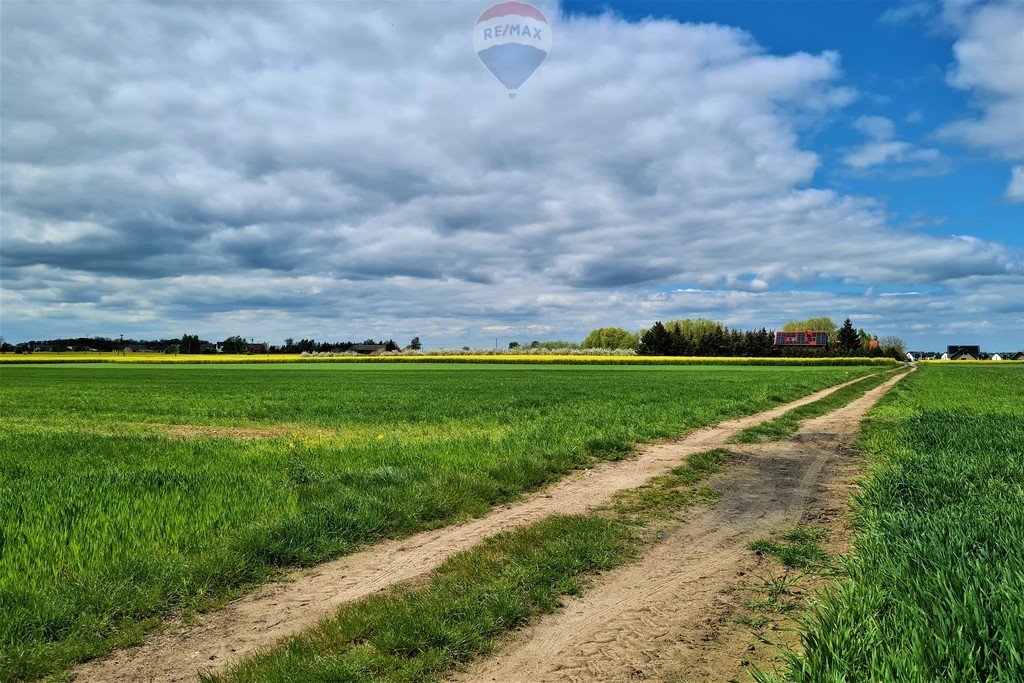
x: 341, y: 170
x: 907, y: 12
x: 989, y: 65
x: 882, y: 149
x: 1015, y: 189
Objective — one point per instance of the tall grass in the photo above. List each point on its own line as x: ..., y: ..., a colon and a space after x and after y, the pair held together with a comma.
x: 103, y: 525
x: 935, y: 588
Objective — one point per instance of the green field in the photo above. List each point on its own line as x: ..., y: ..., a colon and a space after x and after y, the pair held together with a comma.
x: 935, y: 588
x: 132, y: 491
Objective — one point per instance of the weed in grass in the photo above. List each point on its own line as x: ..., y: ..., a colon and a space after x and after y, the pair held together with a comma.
x: 776, y: 589
x: 798, y: 548
x: 751, y: 621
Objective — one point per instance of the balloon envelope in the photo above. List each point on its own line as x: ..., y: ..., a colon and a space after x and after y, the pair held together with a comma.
x: 512, y: 39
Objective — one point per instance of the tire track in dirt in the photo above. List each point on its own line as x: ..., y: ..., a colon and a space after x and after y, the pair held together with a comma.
x: 660, y: 616
x: 259, y: 619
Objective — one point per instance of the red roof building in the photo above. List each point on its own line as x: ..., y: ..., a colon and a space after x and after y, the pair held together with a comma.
x: 813, y: 339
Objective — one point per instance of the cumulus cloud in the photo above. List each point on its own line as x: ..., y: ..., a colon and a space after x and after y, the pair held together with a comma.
x: 1015, y: 189
x: 881, y: 149
x: 989, y: 66
x: 343, y: 169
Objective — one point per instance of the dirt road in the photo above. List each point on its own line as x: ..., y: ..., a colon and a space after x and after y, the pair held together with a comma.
x: 658, y: 619
x: 271, y: 612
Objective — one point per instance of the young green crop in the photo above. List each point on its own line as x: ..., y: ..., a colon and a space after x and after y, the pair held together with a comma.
x: 132, y: 491
x: 935, y: 589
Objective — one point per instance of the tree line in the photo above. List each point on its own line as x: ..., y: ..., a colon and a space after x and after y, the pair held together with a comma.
x: 704, y: 337
x: 193, y: 344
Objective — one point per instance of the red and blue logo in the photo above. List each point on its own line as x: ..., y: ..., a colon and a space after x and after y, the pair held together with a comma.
x: 512, y: 39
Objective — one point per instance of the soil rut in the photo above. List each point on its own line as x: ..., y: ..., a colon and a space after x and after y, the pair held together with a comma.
x: 659, y: 618
x: 259, y: 619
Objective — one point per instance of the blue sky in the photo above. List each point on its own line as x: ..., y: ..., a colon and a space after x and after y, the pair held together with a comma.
x: 344, y: 170
x: 899, y: 68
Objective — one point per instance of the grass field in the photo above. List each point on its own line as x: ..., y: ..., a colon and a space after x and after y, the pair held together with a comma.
x: 935, y: 588
x: 131, y: 491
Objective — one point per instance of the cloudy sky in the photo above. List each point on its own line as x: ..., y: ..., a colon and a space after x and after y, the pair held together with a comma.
x: 341, y: 170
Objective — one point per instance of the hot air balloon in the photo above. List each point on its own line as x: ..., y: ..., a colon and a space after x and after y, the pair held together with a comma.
x: 512, y: 39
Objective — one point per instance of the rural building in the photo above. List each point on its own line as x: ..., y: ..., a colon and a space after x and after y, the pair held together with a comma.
x: 813, y: 339
x: 959, y: 350
x: 137, y: 348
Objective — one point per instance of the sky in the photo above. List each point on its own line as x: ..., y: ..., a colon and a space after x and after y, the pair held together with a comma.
x: 344, y: 170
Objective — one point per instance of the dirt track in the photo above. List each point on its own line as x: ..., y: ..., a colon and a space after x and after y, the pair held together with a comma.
x: 276, y: 610
x: 658, y: 619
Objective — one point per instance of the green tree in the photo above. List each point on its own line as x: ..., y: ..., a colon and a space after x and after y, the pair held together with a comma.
x: 847, y: 338
x: 415, y: 344
x: 656, y: 341
x: 610, y: 338
x: 235, y: 344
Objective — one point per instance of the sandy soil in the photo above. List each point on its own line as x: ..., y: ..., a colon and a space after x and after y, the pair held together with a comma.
x: 214, y: 640
x: 671, y: 615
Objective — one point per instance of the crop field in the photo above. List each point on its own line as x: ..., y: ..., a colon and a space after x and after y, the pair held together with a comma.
x: 132, y: 491
x: 935, y: 587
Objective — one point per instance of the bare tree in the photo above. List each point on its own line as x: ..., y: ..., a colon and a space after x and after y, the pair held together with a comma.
x: 893, y: 343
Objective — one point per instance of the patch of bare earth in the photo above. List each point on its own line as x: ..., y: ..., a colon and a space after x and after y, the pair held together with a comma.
x: 672, y: 615
x: 258, y: 620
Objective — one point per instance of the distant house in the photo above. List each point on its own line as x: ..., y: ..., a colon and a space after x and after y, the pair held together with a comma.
x: 813, y: 339
x: 368, y: 348
x: 996, y: 356
x: 1015, y: 356
x: 924, y: 355
x: 962, y: 355
x: 258, y: 347
x: 137, y: 348
x: 972, y: 350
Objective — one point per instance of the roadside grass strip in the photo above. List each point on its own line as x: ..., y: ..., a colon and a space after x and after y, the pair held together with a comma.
x: 934, y: 589
x: 477, y: 596
x: 788, y: 423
